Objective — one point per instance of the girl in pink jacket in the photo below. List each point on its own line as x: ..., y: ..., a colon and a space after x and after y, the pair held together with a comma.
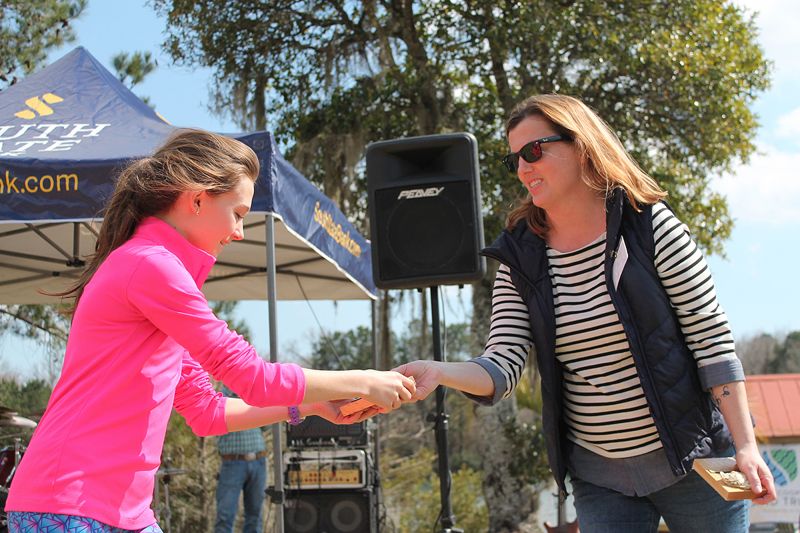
x: 143, y: 340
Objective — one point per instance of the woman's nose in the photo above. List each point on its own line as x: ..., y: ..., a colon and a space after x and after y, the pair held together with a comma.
x: 523, y: 167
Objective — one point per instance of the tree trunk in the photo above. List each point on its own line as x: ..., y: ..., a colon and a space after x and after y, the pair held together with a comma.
x: 259, y: 103
x: 510, y: 500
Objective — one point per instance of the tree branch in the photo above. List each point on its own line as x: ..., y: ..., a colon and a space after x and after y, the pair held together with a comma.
x: 58, y: 334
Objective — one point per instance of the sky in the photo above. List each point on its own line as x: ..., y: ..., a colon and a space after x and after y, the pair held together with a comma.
x: 756, y: 283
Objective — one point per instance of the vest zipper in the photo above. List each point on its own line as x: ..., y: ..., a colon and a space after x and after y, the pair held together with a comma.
x: 634, y: 340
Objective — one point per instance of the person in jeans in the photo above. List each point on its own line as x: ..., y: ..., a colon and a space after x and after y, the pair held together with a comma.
x: 242, y: 471
x: 638, y: 367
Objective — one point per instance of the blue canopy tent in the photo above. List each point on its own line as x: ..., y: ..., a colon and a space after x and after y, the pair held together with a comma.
x: 66, y: 131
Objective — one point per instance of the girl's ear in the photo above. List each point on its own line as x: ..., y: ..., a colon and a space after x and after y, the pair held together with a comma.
x: 198, y: 200
x: 191, y: 202
x: 188, y: 204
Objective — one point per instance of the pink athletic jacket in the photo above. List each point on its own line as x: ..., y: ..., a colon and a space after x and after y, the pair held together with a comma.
x: 98, y: 446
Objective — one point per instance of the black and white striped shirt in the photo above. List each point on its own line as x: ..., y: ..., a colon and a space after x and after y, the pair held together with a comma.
x: 605, y: 408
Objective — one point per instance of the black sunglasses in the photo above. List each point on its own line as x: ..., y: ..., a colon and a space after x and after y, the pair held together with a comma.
x: 531, y: 152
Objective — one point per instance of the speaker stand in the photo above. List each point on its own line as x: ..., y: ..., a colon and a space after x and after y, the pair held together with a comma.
x: 440, y: 417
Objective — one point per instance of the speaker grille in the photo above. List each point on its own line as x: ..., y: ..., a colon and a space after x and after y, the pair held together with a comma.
x: 329, y: 512
x: 426, y: 235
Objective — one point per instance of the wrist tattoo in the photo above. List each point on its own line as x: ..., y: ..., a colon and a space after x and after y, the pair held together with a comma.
x: 725, y: 392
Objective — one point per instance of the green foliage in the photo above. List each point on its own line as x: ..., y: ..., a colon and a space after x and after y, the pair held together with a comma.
x: 28, y: 30
x: 413, y: 344
x: 524, y: 432
x: 463, y: 427
x: 133, y: 68
x: 529, y: 392
x: 412, y: 490
x: 38, y: 322
x: 674, y: 79
x: 192, y: 490
x: 530, y: 461
x: 770, y: 354
x: 342, y: 350
x: 227, y: 312
x: 28, y: 399
x: 787, y: 355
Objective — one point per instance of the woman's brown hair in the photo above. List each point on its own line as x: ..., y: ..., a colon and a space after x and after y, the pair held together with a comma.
x: 605, y: 163
x: 190, y: 160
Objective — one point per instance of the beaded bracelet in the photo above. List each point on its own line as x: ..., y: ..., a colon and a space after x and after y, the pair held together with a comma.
x: 294, y: 415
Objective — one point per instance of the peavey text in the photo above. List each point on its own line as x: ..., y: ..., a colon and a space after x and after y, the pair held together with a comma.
x: 409, y: 194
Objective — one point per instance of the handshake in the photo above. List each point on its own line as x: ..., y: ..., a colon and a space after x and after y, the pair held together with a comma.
x: 388, y: 390
x: 384, y: 391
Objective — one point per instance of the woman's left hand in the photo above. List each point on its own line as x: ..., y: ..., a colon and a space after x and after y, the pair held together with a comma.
x: 330, y: 412
x: 752, y: 465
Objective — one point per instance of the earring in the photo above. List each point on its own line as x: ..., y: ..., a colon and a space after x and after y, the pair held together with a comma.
x: 197, y: 211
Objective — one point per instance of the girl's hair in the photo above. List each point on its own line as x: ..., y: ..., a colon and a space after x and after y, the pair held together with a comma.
x: 190, y: 160
x: 605, y: 163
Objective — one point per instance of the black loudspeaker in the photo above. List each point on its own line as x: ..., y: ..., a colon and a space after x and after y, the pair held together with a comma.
x: 425, y: 221
x: 329, y: 511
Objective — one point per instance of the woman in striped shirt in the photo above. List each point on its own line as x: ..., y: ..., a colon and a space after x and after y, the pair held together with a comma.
x: 638, y: 366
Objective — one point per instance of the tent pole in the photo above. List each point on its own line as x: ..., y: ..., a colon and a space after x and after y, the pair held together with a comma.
x: 278, y: 496
x: 377, y: 494
x: 76, y: 240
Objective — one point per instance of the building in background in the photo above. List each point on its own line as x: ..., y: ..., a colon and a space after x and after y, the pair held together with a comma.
x: 775, y: 405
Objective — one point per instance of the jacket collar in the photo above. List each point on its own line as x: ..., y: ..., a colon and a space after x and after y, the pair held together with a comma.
x: 615, y: 204
x: 196, y: 261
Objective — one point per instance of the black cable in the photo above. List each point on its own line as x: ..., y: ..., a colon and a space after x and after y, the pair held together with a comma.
x: 323, y: 335
x: 444, y: 326
x: 444, y: 339
x: 436, y: 522
x: 441, y: 510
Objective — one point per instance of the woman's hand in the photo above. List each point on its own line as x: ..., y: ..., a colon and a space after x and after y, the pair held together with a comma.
x: 731, y: 398
x: 426, y: 374
x: 752, y: 465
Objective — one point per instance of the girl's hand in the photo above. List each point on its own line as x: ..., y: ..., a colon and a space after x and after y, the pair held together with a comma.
x: 389, y: 389
x: 330, y: 411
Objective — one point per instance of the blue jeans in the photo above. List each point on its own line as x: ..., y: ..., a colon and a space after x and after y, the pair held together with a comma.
x: 236, y: 477
x: 690, y: 505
